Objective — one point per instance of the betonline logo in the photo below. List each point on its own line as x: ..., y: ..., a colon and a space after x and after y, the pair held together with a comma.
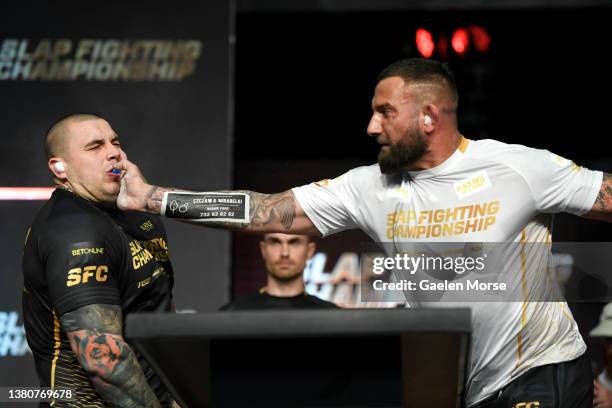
x: 12, y: 336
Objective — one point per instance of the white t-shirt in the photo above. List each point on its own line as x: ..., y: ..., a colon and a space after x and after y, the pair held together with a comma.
x: 487, y: 191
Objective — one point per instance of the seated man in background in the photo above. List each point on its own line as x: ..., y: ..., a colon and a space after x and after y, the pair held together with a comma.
x: 285, y: 256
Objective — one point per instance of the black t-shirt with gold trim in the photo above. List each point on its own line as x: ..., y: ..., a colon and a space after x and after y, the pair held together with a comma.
x: 77, y: 254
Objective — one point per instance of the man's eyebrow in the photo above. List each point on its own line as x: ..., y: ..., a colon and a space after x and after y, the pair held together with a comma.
x: 382, y: 106
x: 94, y: 142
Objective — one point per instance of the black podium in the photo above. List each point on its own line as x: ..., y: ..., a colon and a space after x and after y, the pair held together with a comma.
x: 326, y: 358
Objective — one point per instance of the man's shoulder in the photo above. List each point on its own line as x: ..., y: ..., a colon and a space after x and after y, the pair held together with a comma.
x: 144, y: 225
x: 496, y: 149
x: 243, y: 302
x: 516, y: 156
x: 317, y: 302
x: 67, y: 217
x: 362, y: 177
x: 65, y: 206
x: 356, y: 174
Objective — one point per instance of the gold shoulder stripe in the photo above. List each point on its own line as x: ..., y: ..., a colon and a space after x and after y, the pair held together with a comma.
x: 519, y: 338
x: 56, y: 350
x: 25, y: 241
x: 464, y: 144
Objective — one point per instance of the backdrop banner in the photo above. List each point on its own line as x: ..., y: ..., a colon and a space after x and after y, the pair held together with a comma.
x: 161, y: 75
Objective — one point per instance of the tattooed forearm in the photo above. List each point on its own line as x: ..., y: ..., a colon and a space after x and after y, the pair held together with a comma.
x: 602, y: 208
x: 153, y: 199
x: 95, y: 337
x: 266, y: 209
x: 604, y: 197
x: 267, y: 212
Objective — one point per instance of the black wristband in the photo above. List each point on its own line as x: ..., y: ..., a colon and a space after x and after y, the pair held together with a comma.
x: 207, y: 206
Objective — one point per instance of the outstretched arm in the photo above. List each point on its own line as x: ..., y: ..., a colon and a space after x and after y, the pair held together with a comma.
x: 602, y: 209
x: 279, y: 212
x: 94, y: 332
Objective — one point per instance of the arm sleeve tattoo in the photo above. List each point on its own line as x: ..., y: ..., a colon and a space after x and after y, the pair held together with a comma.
x: 603, y: 202
x: 95, y: 336
x: 602, y: 208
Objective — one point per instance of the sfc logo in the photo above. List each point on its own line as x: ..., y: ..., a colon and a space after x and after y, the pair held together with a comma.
x: 12, y: 335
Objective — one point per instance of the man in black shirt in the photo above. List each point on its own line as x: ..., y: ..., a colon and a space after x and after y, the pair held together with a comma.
x: 285, y: 257
x: 87, y: 264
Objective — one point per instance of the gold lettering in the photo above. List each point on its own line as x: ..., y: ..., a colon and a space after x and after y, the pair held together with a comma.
x: 141, y: 259
x: 493, y: 207
x: 438, y: 216
x: 135, y: 247
x: 447, y: 229
x: 147, y: 226
x: 532, y: 404
x: 74, y: 277
x: 77, y: 276
x: 87, y: 251
x: 390, y: 219
x: 88, y: 272
x: 102, y: 273
x: 470, y: 225
x: 488, y: 222
x: 390, y: 233
x: 459, y: 225
x: 480, y: 210
x: 144, y: 282
x: 436, y: 230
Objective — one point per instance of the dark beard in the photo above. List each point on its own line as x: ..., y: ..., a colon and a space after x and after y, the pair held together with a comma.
x: 400, y: 156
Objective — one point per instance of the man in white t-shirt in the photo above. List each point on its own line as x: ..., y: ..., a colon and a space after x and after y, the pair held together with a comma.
x: 433, y: 185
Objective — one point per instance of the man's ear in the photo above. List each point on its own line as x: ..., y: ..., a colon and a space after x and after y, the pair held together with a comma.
x: 429, y: 118
x: 57, y: 167
x: 312, y: 247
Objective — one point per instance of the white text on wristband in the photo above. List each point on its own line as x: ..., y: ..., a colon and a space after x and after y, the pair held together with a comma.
x: 206, y: 206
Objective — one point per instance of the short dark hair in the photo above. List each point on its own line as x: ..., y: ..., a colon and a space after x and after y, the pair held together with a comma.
x: 422, y: 70
x: 308, y: 237
x: 50, y: 145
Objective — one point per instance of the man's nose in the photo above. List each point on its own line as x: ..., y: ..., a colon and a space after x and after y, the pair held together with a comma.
x: 284, y: 250
x: 113, y: 152
x: 374, y: 127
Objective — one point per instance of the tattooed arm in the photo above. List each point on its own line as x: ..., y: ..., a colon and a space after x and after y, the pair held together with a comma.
x: 279, y: 212
x: 602, y: 209
x: 94, y: 333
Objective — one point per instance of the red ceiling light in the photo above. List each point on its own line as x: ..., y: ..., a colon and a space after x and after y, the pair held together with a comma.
x: 424, y: 42
x: 480, y: 37
x: 460, y: 41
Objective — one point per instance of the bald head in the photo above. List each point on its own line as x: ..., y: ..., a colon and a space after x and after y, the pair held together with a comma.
x: 57, y: 135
